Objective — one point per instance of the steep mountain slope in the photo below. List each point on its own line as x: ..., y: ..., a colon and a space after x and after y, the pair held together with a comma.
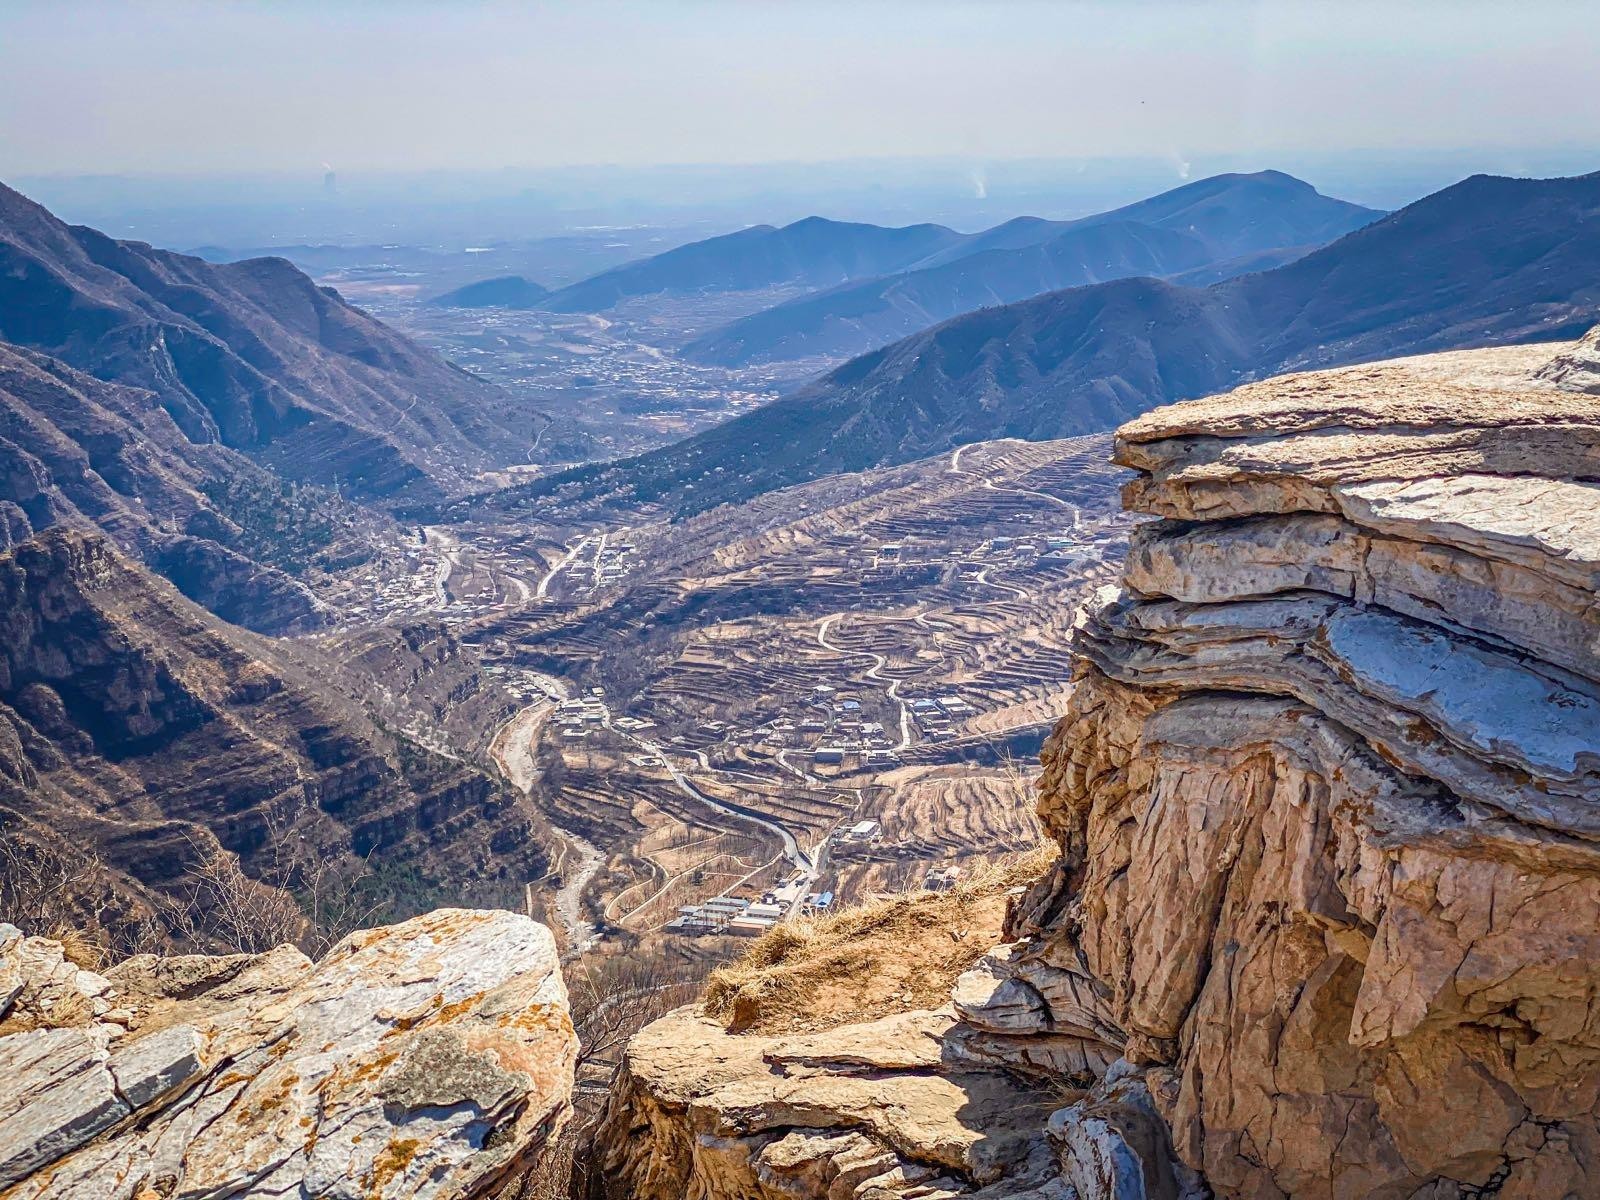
x: 1226, y: 223
x: 814, y: 252
x: 250, y: 355
x: 1488, y: 261
x: 76, y: 450
x: 138, y: 733
x: 507, y: 291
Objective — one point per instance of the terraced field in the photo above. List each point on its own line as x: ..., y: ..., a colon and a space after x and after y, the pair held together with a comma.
x: 719, y: 699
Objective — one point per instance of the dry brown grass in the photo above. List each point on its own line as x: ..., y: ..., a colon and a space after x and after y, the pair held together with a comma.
x: 889, y: 955
x: 79, y: 947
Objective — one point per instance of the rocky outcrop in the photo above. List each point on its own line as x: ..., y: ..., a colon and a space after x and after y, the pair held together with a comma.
x: 1328, y: 801
x: 898, y: 1107
x: 429, y: 1059
x: 1327, y: 791
x: 1577, y: 369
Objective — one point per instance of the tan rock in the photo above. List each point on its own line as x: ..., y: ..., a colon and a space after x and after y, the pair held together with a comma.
x: 880, y: 1109
x: 428, y: 1059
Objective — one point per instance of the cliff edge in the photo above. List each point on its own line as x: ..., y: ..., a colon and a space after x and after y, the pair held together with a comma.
x: 1326, y: 920
x: 432, y: 1059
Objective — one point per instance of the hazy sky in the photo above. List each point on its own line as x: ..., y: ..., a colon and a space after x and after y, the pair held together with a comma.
x: 149, y: 86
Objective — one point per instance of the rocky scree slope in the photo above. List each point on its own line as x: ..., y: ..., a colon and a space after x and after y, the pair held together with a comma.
x: 430, y: 1061
x: 1328, y: 801
x: 139, y: 734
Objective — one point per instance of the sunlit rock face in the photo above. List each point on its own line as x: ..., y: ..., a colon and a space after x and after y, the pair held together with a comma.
x: 1329, y: 786
x: 430, y: 1059
x: 1326, y: 921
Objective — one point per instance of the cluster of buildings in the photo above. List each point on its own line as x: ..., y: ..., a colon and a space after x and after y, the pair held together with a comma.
x: 862, y: 833
x: 833, y: 727
x: 937, y: 716
x: 579, y: 717
x: 398, y: 583
x: 740, y: 916
x: 609, y: 565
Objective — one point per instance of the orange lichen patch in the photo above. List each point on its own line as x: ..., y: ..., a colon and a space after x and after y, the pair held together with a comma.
x: 410, y: 1019
x: 459, y: 1008
x: 396, y: 1157
x: 537, y: 1018
x: 349, y: 1075
x: 262, y: 1102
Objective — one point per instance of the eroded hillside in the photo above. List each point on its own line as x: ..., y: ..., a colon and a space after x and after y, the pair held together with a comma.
x: 144, y: 744
x: 1325, y: 792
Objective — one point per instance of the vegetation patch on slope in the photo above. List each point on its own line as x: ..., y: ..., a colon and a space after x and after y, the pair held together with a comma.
x: 894, y: 954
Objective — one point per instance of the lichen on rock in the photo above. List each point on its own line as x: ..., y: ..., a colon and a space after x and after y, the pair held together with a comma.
x: 428, y: 1059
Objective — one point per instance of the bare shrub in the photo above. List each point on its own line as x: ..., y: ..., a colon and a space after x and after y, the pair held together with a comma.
x: 220, y: 907
x: 44, y: 890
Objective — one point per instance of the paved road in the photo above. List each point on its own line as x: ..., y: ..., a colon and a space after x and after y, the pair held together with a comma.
x: 878, y: 663
x: 983, y: 578
x: 801, y: 860
x: 572, y: 552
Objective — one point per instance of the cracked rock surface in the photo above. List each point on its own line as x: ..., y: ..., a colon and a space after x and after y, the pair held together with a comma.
x: 1329, y: 785
x: 426, y: 1059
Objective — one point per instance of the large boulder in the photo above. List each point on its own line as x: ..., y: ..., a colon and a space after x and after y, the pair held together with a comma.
x: 433, y: 1058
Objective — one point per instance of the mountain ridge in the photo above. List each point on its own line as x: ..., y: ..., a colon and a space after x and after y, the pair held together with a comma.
x: 1223, y: 223
x: 1487, y: 261
x: 813, y: 251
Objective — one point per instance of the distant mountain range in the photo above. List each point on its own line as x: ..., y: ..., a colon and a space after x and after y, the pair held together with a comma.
x: 173, y: 402
x: 811, y: 253
x: 1489, y: 260
x: 1222, y: 226
x: 507, y: 291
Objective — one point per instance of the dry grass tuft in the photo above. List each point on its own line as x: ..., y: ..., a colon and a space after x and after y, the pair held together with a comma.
x: 79, y: 947
x: 890, y: 955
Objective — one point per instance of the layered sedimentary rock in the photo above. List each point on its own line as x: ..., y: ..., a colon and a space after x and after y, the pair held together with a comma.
x: 430, y: 1059
x: 1328, y: 799
x: 140, y: 735
x: 1329, y: 789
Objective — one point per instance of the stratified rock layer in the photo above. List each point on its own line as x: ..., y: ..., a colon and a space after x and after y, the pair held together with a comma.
x: 1326, y: 921
x: 429, y: 1059
x: 1329, y: 787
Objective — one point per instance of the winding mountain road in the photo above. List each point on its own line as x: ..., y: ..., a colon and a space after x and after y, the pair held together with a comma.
x: 892, y: 690
x: 512, y: 750
x: 801, y: 860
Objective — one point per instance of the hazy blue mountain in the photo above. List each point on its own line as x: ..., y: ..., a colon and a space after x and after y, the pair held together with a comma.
x: 252, y: 355
x: 1226, y: 223
x: 1488, y: 261
x: 812, y: 253
x: 508, y: 291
